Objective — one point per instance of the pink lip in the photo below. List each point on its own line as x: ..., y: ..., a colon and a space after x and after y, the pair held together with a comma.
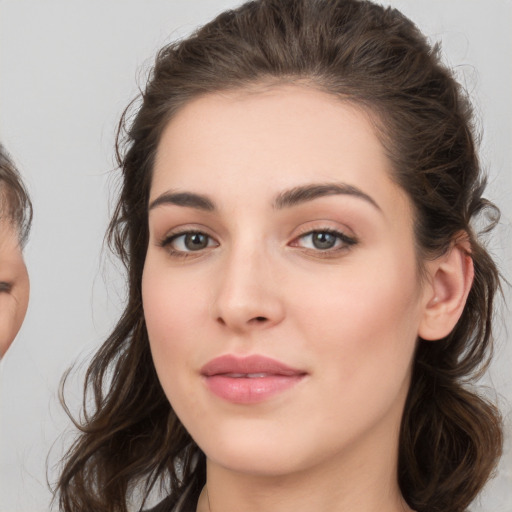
x: 249, y: 380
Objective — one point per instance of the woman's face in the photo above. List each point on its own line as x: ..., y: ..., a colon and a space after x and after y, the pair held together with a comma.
x: 14, y: 285
x: 280, y: 287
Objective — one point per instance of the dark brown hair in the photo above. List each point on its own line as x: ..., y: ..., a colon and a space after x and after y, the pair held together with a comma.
x: 450, y: 438
x: 15, y: 204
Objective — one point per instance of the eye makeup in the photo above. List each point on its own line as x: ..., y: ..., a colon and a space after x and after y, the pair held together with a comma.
x: 187, y: 243
x: 322, y: 241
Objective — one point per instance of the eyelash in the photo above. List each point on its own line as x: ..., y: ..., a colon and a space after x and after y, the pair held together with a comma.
x: 166, y: 243
x: 5, y: 287
x: 346, y: 242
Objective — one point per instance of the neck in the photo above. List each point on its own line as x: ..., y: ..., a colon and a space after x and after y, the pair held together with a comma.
x: 370, y: 487
x: 361, y: 476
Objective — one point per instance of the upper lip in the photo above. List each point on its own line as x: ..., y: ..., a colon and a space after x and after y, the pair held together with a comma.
x: 254, y: 364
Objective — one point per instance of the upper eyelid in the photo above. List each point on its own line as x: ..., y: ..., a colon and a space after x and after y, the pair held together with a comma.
x: 325, y: 225
x: 178, y: 232
x: 184, y: 229
x: 167, y: 244
x: 174, y: 236
x: 346, y: 239
x: 307, y: 228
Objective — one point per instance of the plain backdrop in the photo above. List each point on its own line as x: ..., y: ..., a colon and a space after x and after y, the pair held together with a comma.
x: 67, y: 70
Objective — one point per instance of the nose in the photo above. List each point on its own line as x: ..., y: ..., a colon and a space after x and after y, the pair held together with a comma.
x: 248, y: 296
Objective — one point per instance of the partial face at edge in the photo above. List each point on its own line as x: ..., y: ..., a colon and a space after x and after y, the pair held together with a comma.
x: 14, y: 285
x: 247, y: 257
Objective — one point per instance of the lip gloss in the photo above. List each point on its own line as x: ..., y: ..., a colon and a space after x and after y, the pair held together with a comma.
x: 250, y: 379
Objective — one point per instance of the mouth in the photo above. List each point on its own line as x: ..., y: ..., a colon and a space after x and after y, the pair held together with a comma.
x: 249, y: 380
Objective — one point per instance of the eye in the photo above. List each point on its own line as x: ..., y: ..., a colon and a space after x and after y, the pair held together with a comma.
x: 324, y: 240
x: 5, y: 286
x: 190, y: 241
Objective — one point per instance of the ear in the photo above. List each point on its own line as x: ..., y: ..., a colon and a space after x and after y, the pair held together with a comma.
x: 449, y: 282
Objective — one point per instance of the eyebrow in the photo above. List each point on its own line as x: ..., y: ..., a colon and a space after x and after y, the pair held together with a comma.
x: 286, y: 199
x: 187, y: 199
x: 305, y: 193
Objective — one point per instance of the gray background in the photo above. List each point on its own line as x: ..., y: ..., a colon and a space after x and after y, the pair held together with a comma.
x: 67, y: 70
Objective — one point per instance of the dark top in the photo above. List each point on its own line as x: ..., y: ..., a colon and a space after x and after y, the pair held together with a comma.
x: 187, y: 502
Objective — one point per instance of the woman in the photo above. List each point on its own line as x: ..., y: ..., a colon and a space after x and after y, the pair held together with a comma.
x: 15, y: 219
x: 306, y: 293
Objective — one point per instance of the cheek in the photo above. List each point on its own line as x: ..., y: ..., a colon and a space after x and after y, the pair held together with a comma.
x: 365, y: 318
x: 173, y: 311
x: 8, y: 327
x: 12, y: 314
x: 170, y: 299
x: 13, y: 305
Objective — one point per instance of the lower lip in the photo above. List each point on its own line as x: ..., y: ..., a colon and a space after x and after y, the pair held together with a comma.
x: 250, y: 390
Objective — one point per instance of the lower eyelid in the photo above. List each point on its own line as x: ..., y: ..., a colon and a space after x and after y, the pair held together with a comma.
x: 343, y: 242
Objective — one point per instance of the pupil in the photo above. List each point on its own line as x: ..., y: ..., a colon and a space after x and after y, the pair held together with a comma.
x: 322, y: 240
x: 196, y: 241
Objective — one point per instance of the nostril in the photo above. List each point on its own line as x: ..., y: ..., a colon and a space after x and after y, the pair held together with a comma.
x: 241, y: 323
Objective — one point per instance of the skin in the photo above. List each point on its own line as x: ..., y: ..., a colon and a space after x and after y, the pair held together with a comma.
x: 348, y: 316
x: 14, y: 285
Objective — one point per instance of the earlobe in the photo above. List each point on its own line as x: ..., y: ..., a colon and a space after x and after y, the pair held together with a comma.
x: 450, y: 279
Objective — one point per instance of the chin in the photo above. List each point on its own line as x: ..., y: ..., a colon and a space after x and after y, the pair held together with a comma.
x: 255, y: 461
x: 257, y: 449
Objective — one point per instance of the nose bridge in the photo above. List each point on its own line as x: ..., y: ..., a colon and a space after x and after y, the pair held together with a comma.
x: 247, y: 296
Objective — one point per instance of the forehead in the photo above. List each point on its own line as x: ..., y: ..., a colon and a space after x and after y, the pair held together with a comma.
x: 275, y: 119
x: 10, y: 209
x: 9, y: 241
x: 260, y: 140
